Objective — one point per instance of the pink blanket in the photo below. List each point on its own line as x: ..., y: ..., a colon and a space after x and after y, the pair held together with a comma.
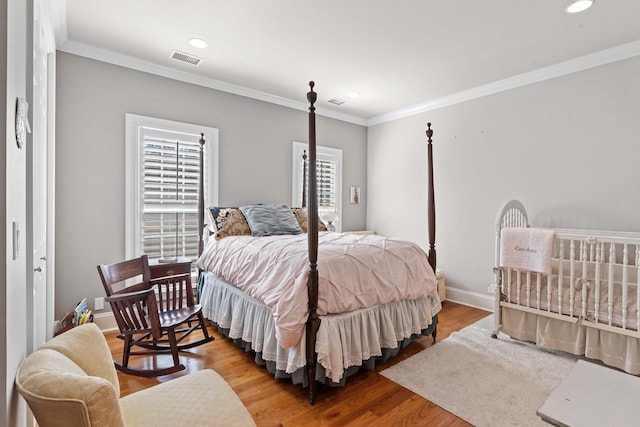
x: 355, y: 271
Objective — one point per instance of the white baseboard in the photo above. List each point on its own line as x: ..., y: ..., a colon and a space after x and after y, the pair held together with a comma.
x: 105, y: 321
x: 472, y: 299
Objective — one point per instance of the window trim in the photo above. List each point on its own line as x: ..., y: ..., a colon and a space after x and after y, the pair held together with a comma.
x: 133, y: 168
x: 296, y: 178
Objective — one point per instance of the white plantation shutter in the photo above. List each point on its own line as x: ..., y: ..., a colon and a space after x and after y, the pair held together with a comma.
x: 162, y: 186
x: 170, y: 196
x: 329, y: 177
x: 326, y: 180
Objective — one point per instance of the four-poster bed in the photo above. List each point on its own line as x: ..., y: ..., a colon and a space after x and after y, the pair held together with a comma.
x: 316, y: 308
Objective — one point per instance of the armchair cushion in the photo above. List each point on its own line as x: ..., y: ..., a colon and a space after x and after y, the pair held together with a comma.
x: 185, y: 400
x: 87, y: 347
x: 62, y: 394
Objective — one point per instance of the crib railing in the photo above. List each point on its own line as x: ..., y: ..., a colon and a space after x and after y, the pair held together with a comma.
x: 594, y: 281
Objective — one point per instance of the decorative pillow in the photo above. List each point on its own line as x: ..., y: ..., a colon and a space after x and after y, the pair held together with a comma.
x: 301, y: 217
x: 228, y: 222
x: 270, y: 220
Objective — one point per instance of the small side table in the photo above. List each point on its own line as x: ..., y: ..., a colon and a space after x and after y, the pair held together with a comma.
x: 442, y: 287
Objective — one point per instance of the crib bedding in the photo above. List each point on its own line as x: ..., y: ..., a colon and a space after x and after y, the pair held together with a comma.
x: 345, y: 342
x: 355, y: 272
x: 577, y: 296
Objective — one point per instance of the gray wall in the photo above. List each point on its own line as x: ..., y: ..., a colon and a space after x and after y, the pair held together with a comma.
x: 255, y: 158
x: 568, y: 148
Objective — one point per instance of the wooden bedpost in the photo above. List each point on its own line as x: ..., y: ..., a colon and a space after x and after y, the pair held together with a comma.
x: 313, y: 322
x: 201, y: 198
x: 431, y: 213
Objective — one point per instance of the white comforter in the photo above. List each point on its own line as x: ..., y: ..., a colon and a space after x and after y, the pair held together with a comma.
x: 355, y: 271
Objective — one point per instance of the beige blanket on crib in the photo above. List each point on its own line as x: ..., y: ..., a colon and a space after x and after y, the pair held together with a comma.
x: 527, y: 249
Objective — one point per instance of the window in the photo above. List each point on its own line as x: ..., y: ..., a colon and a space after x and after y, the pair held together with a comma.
x: 162, y: 185
x: 329, y: 178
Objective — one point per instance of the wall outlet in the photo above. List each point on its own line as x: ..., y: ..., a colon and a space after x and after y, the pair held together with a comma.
x: 98, y: 303
x: 492, y: 288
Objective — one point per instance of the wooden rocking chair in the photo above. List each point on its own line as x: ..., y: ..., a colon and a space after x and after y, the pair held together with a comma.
x: 155, y: 313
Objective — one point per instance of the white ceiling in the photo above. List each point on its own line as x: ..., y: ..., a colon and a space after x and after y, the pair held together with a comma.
x: 401, y: 56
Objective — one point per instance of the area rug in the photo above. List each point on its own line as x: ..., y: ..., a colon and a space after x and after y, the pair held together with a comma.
x: 485, y: 381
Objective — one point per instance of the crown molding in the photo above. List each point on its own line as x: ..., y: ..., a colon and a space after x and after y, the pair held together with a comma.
x: 596, y: 59
x: 103, y: 55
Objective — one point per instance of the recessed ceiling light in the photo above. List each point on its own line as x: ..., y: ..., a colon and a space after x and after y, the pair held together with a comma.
x: 199, y: 43
x: 354, y: 94
x: 579, y: 6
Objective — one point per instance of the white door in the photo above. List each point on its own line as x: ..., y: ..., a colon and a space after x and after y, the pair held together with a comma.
x: 37, y: 188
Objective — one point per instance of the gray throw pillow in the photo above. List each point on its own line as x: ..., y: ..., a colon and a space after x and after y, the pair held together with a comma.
x: 270, y: 220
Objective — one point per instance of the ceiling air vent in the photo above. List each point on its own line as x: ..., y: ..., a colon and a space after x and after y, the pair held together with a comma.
x: 185, y: 57
x: 336, y: 101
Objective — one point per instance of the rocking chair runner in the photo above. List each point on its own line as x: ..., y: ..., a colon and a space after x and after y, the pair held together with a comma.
x: 155, y: 313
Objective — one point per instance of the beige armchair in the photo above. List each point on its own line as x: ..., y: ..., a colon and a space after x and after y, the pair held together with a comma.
x: 71, y: 381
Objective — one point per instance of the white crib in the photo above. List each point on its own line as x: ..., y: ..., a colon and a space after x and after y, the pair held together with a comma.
x: 588, y: 305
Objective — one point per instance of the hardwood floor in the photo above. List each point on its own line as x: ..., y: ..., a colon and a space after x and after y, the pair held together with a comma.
x: 367, y: 399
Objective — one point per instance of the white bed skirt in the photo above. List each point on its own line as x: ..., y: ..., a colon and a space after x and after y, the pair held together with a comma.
x: 614, y: 349
x: 343, y: 340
